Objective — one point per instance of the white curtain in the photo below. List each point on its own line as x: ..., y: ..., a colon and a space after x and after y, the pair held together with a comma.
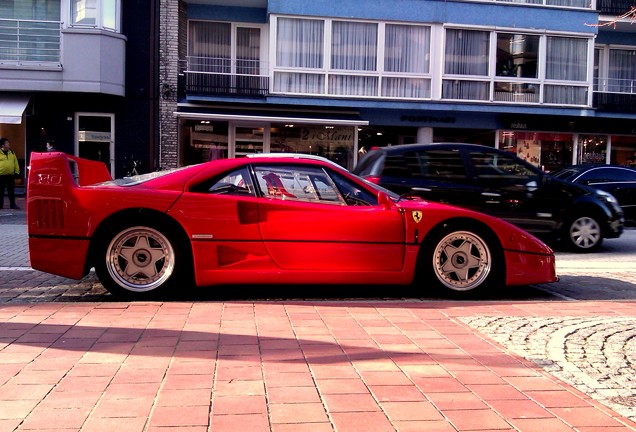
x: 354, y: 46
x: 248, y: 49
x: 622, y: 71
x: 412, y: 88
x: 466, y: 52
x: 566, y: 59
x: 407, y: 48
x: 568, y: 95
x: 288, y: 82
x: 466, y: 90
x: 353, y: 85
x: 209, y: 47
x: 570, y: 3
x: 299, y: 43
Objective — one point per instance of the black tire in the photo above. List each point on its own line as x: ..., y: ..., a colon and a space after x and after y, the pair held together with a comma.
x: 583, y: 234
x: 140, y: 261
x: 461, y: 260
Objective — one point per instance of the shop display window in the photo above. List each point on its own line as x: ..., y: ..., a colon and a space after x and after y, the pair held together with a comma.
x: 336, y: 143
x: 592, y: 149
x: 546, y: 150
x: 204, y: 141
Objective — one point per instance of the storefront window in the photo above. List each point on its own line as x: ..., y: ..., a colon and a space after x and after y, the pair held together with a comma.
x: 336, y: 143
x: 623, y: 151
x: 592, y: 149
x: 203, y: 141
x: 546, y: 150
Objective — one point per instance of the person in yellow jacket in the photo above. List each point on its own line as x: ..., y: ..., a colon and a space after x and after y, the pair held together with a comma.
x: 9, y: 169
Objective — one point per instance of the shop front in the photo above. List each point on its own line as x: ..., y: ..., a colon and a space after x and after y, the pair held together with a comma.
x: 553, y: 150
x: 204, y: 137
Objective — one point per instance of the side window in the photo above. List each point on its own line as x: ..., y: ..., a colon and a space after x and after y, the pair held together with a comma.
x: 236, y: 182
x: 608, y: 175
x: 301, y: 183
x: 353, y: 194
x: 492, y: 165
x: 442, y: 165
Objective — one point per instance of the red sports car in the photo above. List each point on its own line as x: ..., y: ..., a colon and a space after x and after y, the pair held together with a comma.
x: 262, y: 220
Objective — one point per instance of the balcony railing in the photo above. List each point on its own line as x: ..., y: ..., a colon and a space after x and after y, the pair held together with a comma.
x: 209, y: 76
x: 614, y: 7
x: 29, y: 41
x: 615, y: 95
x: 615, y: 85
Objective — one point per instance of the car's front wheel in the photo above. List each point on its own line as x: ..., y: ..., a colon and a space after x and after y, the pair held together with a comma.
x: 461, y: 260
x: 138, y: 261
x: 584, y: 234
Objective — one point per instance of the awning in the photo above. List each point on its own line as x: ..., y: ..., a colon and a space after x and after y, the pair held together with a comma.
x: 12, y: 107
x: 330, y: 118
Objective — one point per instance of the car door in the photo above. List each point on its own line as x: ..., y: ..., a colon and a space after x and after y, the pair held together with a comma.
x: 220, y: 215
x: 434, y: 174
x: 620, y: 182
x: 307, y: 223
x: 515, y: 191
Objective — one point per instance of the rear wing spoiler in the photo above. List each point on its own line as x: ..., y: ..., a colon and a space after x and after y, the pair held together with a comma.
x: 49, y: 168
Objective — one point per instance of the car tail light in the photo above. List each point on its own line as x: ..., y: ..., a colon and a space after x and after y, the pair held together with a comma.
x: 373, y: 179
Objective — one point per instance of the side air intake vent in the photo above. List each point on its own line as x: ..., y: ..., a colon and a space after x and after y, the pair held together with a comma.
x: 50, y: 213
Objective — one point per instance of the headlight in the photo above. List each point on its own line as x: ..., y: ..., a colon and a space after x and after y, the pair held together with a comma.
x: 607, y: 197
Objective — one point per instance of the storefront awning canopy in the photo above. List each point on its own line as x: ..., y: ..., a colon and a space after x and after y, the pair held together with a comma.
x: 12, y: 107
x: 323, y: 118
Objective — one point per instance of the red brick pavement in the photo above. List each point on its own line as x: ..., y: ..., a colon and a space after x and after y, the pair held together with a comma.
x: 288, y: 366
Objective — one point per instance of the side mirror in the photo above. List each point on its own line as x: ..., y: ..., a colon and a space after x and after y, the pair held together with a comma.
x: 385, y: 201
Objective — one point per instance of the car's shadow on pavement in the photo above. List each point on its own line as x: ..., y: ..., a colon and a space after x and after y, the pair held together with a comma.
x: 352, y: 293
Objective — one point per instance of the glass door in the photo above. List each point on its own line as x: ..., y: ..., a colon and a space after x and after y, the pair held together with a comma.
x: 250, y: 138
x: 95, y: 138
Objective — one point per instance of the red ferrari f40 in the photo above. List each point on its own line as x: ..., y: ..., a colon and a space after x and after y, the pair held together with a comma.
x: 269, y: 219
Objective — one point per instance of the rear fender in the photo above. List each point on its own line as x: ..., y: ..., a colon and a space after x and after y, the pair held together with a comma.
x: 52, y: 188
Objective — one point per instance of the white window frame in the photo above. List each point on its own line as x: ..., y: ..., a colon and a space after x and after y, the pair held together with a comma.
x: 326, y: 70
x: 541, y: 81
x: 107, y: 14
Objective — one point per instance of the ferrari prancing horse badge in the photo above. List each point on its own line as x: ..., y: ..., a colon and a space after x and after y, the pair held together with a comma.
x: 417, y: 216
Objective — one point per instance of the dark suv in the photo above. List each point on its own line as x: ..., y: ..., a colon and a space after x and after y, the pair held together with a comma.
x: 498, y: 183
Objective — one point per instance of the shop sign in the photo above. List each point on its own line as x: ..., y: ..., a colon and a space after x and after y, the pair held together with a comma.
x: 427, y: 119
x: 92, y: 136
x: 322, y: 134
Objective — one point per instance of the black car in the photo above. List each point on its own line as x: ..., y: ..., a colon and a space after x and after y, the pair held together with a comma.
x: 618, y: 180
x: 498, y: 183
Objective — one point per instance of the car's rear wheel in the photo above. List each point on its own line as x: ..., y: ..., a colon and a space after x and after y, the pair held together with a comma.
x: 584, y: 234
x: 138, y: 261
x: 462, y: 260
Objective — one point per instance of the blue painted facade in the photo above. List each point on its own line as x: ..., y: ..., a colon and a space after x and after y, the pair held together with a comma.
x: 455, y: 120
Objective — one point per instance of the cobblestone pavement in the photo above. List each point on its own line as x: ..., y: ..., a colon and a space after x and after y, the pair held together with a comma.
x: 597, y: 355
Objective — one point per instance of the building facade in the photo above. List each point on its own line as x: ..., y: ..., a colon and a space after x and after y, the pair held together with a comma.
x: 546, y: 79
x: 82, y: 74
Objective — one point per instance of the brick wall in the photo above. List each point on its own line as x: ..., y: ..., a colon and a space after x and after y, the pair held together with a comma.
x: 172, y: 28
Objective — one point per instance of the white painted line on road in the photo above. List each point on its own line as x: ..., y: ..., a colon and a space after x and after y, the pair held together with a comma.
x: 16, y: 269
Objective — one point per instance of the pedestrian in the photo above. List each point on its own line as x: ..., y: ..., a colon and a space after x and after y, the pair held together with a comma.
x: 49, y: 146
x: 9, y: 169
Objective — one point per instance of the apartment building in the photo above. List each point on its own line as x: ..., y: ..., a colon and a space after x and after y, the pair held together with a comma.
x: 545, y: 79
x: 81, y: 73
